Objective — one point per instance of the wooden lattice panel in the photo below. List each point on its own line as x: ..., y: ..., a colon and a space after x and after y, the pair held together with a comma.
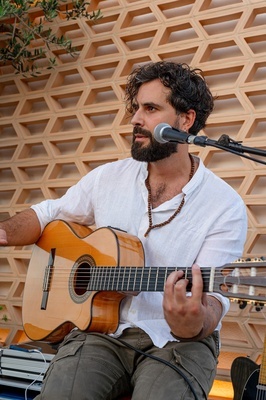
x: 59, y: 126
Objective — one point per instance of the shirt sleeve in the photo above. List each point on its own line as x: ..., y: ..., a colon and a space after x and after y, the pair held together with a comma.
x: 76, y: 205
x: 224, y: 242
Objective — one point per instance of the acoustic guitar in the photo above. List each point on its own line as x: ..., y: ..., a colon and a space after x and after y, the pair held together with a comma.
x: 78, y: 277
x: 248, y: 378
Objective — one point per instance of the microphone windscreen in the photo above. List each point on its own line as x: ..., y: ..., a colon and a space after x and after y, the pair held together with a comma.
x: 158, y: 132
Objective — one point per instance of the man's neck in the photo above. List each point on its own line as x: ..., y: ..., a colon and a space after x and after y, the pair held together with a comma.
x: 168, y: 177
x: 173, y: 167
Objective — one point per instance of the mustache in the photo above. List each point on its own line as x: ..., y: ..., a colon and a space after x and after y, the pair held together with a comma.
x: 141, y: 131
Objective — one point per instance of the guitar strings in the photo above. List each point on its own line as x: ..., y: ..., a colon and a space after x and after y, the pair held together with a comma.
x: 98, y: 271
x: 153, y: 279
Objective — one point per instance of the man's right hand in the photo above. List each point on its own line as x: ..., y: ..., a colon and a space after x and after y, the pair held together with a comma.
x: 3, y: 238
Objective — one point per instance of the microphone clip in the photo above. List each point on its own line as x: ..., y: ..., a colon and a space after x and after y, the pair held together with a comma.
x: 225, y: 140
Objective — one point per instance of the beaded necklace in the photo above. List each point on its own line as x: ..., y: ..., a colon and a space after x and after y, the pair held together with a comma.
x: 177, y: 211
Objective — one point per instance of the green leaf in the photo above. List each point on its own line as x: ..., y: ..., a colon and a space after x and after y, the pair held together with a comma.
x: 21, y: 33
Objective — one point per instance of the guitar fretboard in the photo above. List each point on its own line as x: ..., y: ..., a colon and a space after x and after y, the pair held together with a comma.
x: 137, y: 279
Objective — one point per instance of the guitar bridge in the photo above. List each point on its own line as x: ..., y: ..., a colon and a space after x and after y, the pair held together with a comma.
x: 47, y: 279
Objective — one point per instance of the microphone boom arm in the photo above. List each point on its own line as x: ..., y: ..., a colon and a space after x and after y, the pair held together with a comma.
x: 229, y: 145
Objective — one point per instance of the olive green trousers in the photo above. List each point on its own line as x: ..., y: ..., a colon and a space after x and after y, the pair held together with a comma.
x: 91, y: 366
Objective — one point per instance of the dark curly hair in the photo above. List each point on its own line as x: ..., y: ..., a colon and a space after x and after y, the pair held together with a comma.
x: 188, y: 89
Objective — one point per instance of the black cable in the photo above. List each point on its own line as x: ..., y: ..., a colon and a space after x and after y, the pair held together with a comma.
x: 162, y: 361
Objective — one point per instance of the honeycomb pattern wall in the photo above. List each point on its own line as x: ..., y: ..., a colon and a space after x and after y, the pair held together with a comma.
x: 57, y: 127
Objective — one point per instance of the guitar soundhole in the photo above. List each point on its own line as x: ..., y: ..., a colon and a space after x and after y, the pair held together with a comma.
x: 80, y: 277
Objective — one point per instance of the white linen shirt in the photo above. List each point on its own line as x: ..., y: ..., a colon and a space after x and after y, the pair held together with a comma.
x: 210, y: 229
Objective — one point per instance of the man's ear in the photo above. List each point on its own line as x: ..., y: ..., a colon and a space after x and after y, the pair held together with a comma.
x: 189, y: 119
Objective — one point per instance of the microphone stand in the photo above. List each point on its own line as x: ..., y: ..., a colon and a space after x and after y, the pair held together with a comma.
x: 229, y: 145
x: 232, y: 146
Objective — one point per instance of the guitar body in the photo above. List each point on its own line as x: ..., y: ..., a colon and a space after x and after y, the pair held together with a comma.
x: 243, y: 372
x: 56, y: 298
x: 250, y: 391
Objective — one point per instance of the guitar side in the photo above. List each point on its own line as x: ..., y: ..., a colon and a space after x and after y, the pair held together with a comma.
x: 55, y: 298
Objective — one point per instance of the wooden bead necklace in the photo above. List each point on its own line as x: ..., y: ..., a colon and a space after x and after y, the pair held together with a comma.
x: 177, y: 211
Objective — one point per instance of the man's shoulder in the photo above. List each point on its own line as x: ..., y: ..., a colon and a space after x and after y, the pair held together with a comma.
x: 220, y: 186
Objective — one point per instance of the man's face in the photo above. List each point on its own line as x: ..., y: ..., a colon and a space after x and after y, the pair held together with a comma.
x: 151, y: 109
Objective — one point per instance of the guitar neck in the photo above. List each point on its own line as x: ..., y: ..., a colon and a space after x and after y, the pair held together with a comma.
x: 237, y: 281
x: 135, y: 279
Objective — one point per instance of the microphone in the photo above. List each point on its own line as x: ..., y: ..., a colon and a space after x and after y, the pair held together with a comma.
x: 164, y: 133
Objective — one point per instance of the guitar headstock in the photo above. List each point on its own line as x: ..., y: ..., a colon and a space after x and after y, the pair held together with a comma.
x: 243, y: 281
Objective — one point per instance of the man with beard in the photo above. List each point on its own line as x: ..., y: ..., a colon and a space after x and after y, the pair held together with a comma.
x: 167, y: 343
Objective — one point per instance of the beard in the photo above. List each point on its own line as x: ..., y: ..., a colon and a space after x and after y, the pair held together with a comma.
x: 155, y: 151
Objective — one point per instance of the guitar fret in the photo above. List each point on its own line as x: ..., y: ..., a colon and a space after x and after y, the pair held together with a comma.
x: 135, y: 280
x: 128, y: 278
x: 141, y: 281
x: 105, y: 276
x: 156, y: 280
x: 165, y: 275
x: 100, y: 278
x: 148, y: 279
x: 153, y: 279
x: 93, y: 277
x: 123, y: 279
x: 149, y: 282
x: 109, y: 278
x: 117, y: 278
x: 140, y: 272
x: 113, y: 273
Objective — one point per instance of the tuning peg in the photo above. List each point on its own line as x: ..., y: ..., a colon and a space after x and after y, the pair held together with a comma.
x: 242, y: 304
x: 259, y: 306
